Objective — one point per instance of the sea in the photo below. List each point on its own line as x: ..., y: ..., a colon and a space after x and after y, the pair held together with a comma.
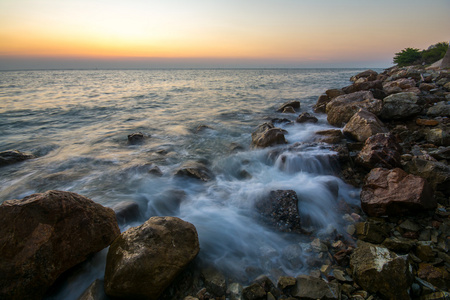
x: 76, y: 123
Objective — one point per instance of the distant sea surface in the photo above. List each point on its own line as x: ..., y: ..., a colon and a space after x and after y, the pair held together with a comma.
x: 77, y: 122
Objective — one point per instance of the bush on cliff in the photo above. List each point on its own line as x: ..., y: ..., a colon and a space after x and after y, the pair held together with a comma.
x: 413, y: 56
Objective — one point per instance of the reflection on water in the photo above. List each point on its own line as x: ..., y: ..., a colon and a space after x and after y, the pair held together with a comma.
x: 77, y: 123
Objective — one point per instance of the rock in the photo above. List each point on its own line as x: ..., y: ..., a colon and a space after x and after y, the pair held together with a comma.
x: 280, y: 210
x: 436, y: 296
x: 306, y: 118
x: 136, y: 138
x: 254, y: 292
x: 333, y: 93
x: 288, y: 110
x: 293, y: 104
x: 286, y: 282
x: 424, y: 251
x: 381, y: 150
x: 371, y: 232
x: 312, y: 288
x: 202, y: 127
x: 195, y: 169
x: 378, y: 270
x: 127, y: 211
x: 321, y: 104
x: 426, y: 86
x: 331, y: 136
x: 426, y: 122
x: 155, y: 171
x: 363, y: 86
x: 399, y: 86
x: 235, y: 291
x: 144, y: 260
x: 293, y: 255
x: 342, y: 108
x: 441, y: 109
x: 267, y: 135
x: 400, y: 106
x: 13, y: 156
x: 395, y: 192
x: 44, y: 235
x: 398, y: 244
x: 94, y: 292
x: 267, y: 285
x: 439, y: 136
x: 437, y: 276
x: 437, y: 174
x: 363, y: 125
x: 366, y: 74
x: 215, y: 282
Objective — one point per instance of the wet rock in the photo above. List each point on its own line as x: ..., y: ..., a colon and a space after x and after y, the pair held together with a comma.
x: 293, y: 104
x: 321, y: 104
x: 13, y: 156
x: 378, y: 270
x: 136, y: 138
x: 400, y: 106
x: 395, y: 192
x: 439, y: 136
x: 363, y: 86
x: 398, y: 244
x: 288, y: 110
x: 381, y: 150
x: 280, y: 210
x: 333, y: 93
x: 195, y: 169
x: 215, y: 281
x: 437, y: 174
x: 368, y: 74
x: 235, y: 291
x: 286, y: 283
x: 331, y: 136
x: 254, y: 292
x: 424, y: 251
x: 127, y: 211
x: 267, y: 135
x: 437, y: 276
x: 44, y: 235
x: 436, y: 296
x: 144, y: 260
x: 94, y: 292
x: 312, y: 288
x: 202, y: 127
x: 155, y: 171
x: 363, y: 125
x: 306, y: 118
x: 441, y: 109
x: 342, y: 108
x: 293, y: 255
x: 426, y: 86
x: 267, y: 285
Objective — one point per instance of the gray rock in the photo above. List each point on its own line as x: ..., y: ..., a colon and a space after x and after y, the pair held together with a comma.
x: 215, y: 281
x: 267, y: 135
x: 312, y: 288
x: 400, y: 106
x: 195, y: 169
x: 127, y: 211
x: 13, y: 156
x: 363, y: 125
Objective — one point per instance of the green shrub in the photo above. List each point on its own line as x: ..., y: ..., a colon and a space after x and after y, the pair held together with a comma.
x: 407, y: 57
x: 413, y: 56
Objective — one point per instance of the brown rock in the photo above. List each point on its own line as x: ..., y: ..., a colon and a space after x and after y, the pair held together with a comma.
x: 426, y: 86
x: 13, y: 156
x: 366, y: 74
x: 308, y: 287
x: 363, y: 86
x: 144, y: 260
x: 43, y: 235
x: 363, y: 125
x: 267, y: 135
x: 293, y: 104
x: 342, y: 108
x: 399, y: 85
x: 136, y: 138
x: 331, y: 136
x: 333, y: 93
x: 306, y: 118
x: 288, y: 110
x: 195, y: 169
x: 395, y: 192
x: 321, y: 104
x: 380, y: 150
x: 437, y: 276
x: 427, y: 122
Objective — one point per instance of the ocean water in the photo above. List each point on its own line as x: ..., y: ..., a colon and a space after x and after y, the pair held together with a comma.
x: 77, y: 122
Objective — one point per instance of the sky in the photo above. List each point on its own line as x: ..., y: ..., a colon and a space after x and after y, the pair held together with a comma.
x: 58, y: 34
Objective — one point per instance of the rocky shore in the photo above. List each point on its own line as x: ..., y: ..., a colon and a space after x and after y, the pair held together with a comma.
x: 392, y: 140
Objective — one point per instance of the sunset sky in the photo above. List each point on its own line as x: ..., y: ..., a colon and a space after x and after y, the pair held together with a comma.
x: 215, y: 33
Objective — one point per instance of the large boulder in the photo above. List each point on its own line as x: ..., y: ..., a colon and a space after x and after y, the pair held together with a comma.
x: 194, y: 169
x: 378, y: 270
x: 369, y: 75
x: 144, y: 260
x: 400, y: 106
x: 312, y: 288
x: 381, y: 150
x: 280, y: 210
x: 363, y: 125
x: 13, y: 156
x: 342, y: 108
x: 44, y: 235
x: 267, y: 135
x: 395, y: 192
x: 363, y: 86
